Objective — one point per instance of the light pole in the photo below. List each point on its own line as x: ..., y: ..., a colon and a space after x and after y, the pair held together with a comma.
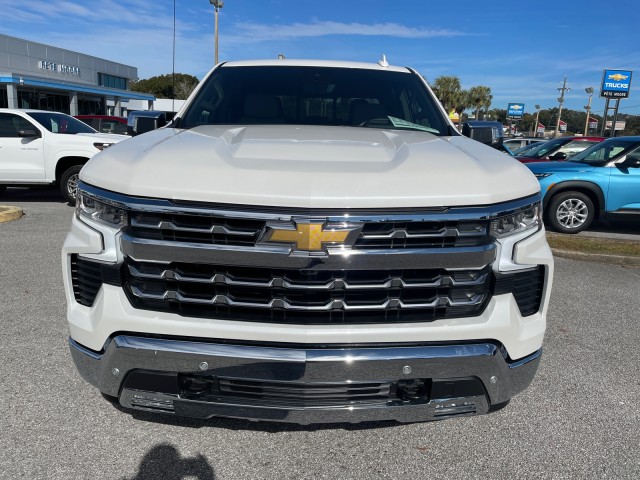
x: 217, y: 5
x: 589, y: 90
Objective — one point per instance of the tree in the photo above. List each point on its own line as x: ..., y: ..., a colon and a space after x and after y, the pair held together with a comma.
x: 480, y: 98
x: 449, y: 91
x: 162, y: 86
x: 463, y: 102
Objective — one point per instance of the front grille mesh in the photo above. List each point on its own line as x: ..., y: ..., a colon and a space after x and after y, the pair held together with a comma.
x: 307, y: 296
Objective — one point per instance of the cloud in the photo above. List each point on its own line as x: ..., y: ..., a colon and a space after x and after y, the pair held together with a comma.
x: 245, y: 32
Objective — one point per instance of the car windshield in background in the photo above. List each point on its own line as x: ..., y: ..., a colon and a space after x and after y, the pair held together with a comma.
x: 60, y: 123
x: 602, y: 153
x: 527, y: 148
x: 282, y: 95
x: 544, y: 148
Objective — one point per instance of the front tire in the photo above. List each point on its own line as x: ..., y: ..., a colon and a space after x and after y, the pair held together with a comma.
x: 570, y: 212
x: 69, y: 183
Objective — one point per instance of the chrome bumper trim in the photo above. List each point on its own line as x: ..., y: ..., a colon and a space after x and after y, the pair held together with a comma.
x: 125, y: 353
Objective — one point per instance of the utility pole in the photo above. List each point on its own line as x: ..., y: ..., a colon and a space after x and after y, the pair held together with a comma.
x: 535, y: 127
x: 561, y: 101
x: 589, y: 91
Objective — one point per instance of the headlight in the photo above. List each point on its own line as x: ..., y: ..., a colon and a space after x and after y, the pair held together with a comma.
x: 542, y: 175
x: 526, y: 218
x: 92, y: 208
x: 101, y: 146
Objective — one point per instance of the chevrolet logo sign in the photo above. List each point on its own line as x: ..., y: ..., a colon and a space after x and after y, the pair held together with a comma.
x: 618, y: 77
x: 312, y: 236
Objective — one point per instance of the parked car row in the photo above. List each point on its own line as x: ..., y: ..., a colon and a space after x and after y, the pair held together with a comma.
x: 601, y: 182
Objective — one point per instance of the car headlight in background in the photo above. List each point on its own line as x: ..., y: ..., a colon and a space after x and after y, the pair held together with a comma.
x: 101, y: 146
x: 92, y: 208
x: 527, y: 218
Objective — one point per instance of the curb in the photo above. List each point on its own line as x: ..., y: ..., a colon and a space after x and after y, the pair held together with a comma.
x: 9, y: 213
x: 621, y: 260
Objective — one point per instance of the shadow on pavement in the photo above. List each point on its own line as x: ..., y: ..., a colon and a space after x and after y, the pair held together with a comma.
x: 164, y: 461
x: 31, y: 195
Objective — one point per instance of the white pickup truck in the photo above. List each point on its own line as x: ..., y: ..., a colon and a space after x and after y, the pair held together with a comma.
x: 46, y: 148
x: 310, y: 242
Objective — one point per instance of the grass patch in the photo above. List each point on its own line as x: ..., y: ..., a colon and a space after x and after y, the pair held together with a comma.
x: 575, y: 243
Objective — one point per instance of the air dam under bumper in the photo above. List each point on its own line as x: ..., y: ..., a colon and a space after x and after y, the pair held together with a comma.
x: 307, y: 386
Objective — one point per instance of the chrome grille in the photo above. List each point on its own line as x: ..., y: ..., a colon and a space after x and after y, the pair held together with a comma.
x: 307, y: 296
x: 223, y: 230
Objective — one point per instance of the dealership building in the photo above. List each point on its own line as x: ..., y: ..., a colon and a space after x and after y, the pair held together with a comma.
x: 39, y: 76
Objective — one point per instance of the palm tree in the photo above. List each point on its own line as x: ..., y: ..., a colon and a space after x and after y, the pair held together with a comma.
x: 480, y: 98
x: 448, y: 90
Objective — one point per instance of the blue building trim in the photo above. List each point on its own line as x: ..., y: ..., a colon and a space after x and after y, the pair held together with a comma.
x: 124, y: 94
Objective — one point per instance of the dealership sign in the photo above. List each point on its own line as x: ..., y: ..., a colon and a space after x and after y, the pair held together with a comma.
x: 515, y: 111
x: 616, y: 83
x: 59, y: 68
x: 540, y: 128
x: 562, y: 126
x: 593, y: 123
x: 620, y: 125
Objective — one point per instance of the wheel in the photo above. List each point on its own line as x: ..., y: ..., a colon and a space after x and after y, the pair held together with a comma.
x: 570, y: 212
x: 69, y: 183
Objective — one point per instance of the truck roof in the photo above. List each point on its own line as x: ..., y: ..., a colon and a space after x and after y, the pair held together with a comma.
x: 313, y: 63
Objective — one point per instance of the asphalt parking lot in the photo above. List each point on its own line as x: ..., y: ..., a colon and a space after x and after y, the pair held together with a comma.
x: 579, y: 418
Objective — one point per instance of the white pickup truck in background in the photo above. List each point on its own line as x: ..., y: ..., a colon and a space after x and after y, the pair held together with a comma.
x: 39, y: 148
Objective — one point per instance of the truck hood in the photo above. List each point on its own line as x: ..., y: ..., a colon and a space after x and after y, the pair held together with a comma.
x: 310, y: 167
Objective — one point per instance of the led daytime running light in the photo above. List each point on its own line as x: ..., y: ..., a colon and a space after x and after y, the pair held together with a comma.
x: 92, y: 209
x: 524, y: 219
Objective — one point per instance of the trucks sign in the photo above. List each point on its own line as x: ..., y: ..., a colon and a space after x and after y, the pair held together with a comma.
x: 515, y: 111
x: 616, y: 83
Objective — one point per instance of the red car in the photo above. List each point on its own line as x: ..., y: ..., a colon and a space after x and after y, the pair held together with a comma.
x: 105, y: 123
x: 558, y: 149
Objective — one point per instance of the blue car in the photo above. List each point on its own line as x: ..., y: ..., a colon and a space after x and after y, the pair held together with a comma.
x: 601, y: 182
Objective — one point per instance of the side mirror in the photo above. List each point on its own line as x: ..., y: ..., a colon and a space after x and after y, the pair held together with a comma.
x: 29, y: 133
x: 558, y: 156
x: 629, y: 162
x: 489, y: 133
x: 144, y: 121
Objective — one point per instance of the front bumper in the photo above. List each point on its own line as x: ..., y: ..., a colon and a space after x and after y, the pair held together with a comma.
x: 422, y: 382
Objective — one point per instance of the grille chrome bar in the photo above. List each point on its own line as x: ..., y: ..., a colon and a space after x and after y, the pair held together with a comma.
x: 281, y: 282
x: 216, y: 229
x: 279, y: 256
x: 402, y: 233
x: 341, y: 305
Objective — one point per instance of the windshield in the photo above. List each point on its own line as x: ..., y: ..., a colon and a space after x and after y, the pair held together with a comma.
x: 288, y: 95
x: 60, y: 123
x: 602, y: 153
x: 542, y: 149
x: 527, y: 148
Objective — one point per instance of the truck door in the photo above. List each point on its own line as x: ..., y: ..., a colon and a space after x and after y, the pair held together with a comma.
x: 21, y: 157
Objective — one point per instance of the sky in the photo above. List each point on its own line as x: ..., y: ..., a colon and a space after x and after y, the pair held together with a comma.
x: 522, y: 50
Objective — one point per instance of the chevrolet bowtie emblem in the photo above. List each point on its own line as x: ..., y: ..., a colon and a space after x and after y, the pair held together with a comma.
x: 312, y: 237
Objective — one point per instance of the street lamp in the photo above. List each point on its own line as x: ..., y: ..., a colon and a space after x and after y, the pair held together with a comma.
x: 589, y: 90
x: 217, y: 5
